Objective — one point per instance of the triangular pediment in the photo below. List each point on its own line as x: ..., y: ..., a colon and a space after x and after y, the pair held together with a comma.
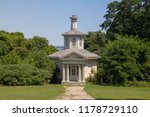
x: 74, y: 55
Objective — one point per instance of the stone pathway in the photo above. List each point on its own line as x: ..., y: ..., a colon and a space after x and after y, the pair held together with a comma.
x: 75, y: 93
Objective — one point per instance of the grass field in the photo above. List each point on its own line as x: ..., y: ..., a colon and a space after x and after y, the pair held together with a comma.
x: 117, y: 92
x: 44, y: 92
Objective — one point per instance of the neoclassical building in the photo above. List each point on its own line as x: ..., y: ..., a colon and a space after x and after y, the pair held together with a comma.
x: 75, y: 63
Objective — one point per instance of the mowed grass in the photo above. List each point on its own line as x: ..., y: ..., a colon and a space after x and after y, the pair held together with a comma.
x: 45, y: 92
x: 117, y: 92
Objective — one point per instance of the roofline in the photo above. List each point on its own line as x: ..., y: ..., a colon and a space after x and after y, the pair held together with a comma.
x: 87, y: 58
x: 83, y: 35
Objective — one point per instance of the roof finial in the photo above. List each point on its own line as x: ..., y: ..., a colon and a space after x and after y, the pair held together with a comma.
x: 74, y: 19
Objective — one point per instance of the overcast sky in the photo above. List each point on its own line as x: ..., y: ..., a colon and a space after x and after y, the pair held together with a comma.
x: 50, y: 18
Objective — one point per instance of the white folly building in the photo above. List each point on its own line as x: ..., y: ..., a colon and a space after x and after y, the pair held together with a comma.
x: 74, y: 62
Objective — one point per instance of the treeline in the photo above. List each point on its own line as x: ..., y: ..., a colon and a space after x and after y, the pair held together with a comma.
x: 24, y: 61
x: 125, y: 47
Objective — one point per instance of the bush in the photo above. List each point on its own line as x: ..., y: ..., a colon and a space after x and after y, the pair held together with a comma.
x: 21, y: 74
x: 10, y: 58
x: 38, y: 80
x: 139, y: 83
x: 91, y: 79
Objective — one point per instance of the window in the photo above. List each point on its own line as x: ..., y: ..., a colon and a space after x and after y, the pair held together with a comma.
x: 81, y: 42
x: 73, y: 42
x: 66, y: 42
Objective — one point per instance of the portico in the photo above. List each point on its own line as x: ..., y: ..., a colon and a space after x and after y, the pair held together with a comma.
x: 73, y: 73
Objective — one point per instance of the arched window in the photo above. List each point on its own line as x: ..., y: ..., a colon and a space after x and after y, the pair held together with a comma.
x: 73, y: 42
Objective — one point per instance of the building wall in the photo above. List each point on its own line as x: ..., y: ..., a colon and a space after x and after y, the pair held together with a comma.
x: 90, y: 68
x: 68, y: 42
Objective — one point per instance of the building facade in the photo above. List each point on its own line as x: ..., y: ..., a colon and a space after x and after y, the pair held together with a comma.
x: 74, y: 62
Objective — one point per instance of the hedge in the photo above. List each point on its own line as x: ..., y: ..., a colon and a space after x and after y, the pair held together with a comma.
x: 23, y: 74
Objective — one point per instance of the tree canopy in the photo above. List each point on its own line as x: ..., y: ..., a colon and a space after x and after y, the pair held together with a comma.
x: 126, y: 59
x: 128, y: 17
x: 19, y: 55
x: 95, y: 41
x: 125, y: 47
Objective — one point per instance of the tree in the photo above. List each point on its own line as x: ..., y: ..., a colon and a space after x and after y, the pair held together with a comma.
x: 128, y: 17
x: 3, y: 48
x: 25, y: 61
x: 10, y: 58
x: 18, y: 38
x: 41, y: 61
x: 50, y: 49
x: 21, y: 51
x: 95, y: 41
x: 39, y: 43
x: 125, y: 59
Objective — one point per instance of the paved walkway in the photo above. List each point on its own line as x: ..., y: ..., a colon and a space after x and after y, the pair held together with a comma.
x: 75, y: 93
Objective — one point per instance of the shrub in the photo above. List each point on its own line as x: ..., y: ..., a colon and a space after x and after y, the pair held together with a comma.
x: 21, y: 74
x: 38, y: 80
x: 138, y: 83
x: 10, y: 58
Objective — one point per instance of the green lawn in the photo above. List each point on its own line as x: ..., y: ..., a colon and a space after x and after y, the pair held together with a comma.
x: 44, y: 92
x: 117, y: 92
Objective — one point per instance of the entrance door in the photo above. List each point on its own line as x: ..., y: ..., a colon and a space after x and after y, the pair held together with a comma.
x: 73, y: 73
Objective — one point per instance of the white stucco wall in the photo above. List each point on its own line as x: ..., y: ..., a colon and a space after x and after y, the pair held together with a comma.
x: 89, y: 66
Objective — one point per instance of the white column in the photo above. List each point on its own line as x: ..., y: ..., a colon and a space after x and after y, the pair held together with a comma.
x: 64, y: 74
x: 79, y: 72
x: 83, y: 73
x: 67, y: 73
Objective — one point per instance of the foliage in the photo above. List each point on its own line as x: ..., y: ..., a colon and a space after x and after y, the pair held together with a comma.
x: 22, y: 74
x: 10, y: 58
x: 3, y: 48
x: 21, y: 52
x: 39, y: 43
x: 139, y: 83
x: 95, y: 41
x: 16, y: 50
x: 128, y: 17
x: 125, y: 59
x: 40, y: 60
x: 13, y: 75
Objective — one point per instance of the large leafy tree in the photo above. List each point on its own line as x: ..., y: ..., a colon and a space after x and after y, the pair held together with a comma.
x: 17, y: 53
x: 39, y: 42
x: 128, y: 17
x: 125, y: 59
x: 95, y: 41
